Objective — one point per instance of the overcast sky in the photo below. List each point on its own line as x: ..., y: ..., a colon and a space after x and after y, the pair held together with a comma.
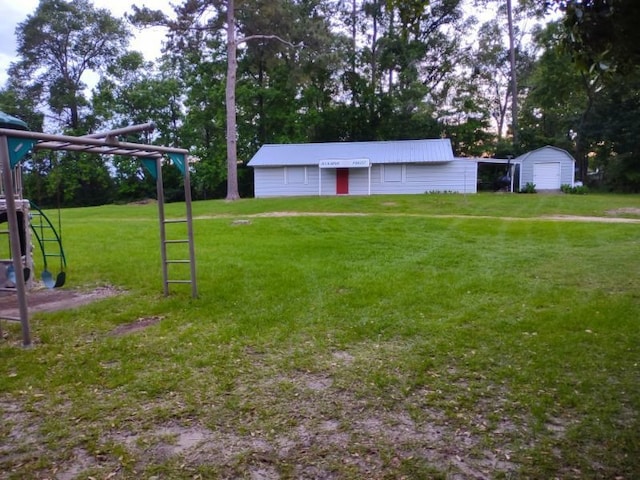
x: 16, y: 11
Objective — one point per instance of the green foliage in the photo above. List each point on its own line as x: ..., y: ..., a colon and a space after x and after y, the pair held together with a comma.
x: 601, y: 37
x: 528, y: 188
x: 339, y: 71
x: 602, y: 34
x: 612, y: 131
x: 58, y: 44
x: 577, y: 190
x: 21, y: 102
x: 557, y: 96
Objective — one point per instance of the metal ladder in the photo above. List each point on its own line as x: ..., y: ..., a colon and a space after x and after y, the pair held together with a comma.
x: 171, y: 260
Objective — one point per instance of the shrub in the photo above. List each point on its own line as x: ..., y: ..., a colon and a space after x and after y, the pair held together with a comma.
x: 577, y: 190
x: 529, y: 188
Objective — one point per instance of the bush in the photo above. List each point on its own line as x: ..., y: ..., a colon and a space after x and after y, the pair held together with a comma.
x: 529, y: 188
x: 577, y: 190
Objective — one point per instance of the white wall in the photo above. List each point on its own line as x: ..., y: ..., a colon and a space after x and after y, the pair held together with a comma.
x: 455, y: 176
x: 548, y: 155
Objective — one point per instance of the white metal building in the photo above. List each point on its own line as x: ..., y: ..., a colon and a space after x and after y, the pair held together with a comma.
x: 361, y: 168
x: 548, y: 168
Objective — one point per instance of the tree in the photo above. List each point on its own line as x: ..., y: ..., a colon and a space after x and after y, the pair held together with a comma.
x: 603, y: 34
x: 500, y: 58
x: 232, y: 66
x: 602, y: 38
x: 192, y: 16
x: 613, y: 128
x: 555, y: 94
x: 58, y: 44
x: 132, y: 91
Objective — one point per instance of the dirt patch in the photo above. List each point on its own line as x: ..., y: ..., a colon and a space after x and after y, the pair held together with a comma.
x: 624, y: 211
x: 308, y: 214
x: 577, y: 218
x: 51, y: 300
x: 144, y: 201
x: 612, y: 218
x: 139, y: 324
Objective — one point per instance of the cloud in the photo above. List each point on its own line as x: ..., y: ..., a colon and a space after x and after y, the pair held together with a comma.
x: 14, y: 12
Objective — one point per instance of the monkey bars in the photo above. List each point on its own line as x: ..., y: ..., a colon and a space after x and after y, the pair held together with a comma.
x: 16, y: 143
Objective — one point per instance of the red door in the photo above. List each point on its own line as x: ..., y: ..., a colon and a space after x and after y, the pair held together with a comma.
x: 342, y: 181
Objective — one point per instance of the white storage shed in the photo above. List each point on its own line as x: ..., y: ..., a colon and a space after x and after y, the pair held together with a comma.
x: 361, y: 168
x: 548, y: 168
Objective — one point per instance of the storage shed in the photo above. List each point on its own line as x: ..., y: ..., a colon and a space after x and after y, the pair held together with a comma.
x: 361, y: 168
x: 548, y: 168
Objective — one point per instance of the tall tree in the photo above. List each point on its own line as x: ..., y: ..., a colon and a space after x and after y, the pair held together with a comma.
x: 555, y: 96
x: 603, y: 39
x: 603, y: 34
x: 207, y: 18
x: 58, y: 44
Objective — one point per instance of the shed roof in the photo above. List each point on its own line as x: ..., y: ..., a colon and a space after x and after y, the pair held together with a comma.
x: 398, y: 151
x: 524, y: 156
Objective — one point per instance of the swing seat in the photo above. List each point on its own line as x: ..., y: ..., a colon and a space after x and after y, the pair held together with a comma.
x: 11, y: 274
x: 60, y: 279
x: 50, y: 282
x: 47, y: 279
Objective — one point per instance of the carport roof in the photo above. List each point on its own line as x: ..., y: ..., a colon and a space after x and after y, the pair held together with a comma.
x: 397, y: 151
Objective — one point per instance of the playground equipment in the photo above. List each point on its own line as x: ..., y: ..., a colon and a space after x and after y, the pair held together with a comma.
x: 15, y: 143
x: 50, y: 241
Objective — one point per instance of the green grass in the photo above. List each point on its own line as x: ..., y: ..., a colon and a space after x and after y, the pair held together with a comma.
x: 435, y: 336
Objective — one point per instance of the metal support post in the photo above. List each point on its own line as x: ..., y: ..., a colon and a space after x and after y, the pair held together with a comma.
x: 14, y: 235
x: 163, y: 233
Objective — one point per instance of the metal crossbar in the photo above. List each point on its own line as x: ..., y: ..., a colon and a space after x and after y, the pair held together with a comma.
x: 105, y: 143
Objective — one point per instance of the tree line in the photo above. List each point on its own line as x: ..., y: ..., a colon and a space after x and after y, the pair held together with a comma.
x: 236, y: 75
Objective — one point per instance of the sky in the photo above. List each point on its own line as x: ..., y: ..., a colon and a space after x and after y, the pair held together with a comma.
x: 14, y: 12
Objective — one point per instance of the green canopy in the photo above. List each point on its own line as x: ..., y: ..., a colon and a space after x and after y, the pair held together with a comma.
x: 7, y: 121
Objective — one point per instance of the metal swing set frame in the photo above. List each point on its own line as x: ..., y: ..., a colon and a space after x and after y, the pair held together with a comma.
x: 15, y: 144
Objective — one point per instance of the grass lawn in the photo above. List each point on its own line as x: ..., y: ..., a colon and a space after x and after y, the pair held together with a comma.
x: 422, y: 336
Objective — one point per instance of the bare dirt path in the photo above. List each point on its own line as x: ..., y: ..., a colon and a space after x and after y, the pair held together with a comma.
x: 557, y: 218
x: 51, y: 300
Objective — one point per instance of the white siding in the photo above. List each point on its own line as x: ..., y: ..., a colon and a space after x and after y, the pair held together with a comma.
x: 456, y: 176
x: 284, y: 181
x: 547, y: 155
x: 393, y: 173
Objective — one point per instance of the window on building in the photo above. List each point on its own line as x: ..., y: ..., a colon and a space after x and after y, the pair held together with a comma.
x: 392, y: 173
x: 293, y: 175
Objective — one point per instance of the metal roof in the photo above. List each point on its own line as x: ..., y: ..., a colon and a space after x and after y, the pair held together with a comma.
x: 524, y: 156
x: 398, y: 151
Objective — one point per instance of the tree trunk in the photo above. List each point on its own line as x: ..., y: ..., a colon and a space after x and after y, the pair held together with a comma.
x: 514, y: 81
x: 232, y: 143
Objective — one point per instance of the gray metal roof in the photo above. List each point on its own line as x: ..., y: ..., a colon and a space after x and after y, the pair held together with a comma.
x: 524, y: 156
x: 398, y: 151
